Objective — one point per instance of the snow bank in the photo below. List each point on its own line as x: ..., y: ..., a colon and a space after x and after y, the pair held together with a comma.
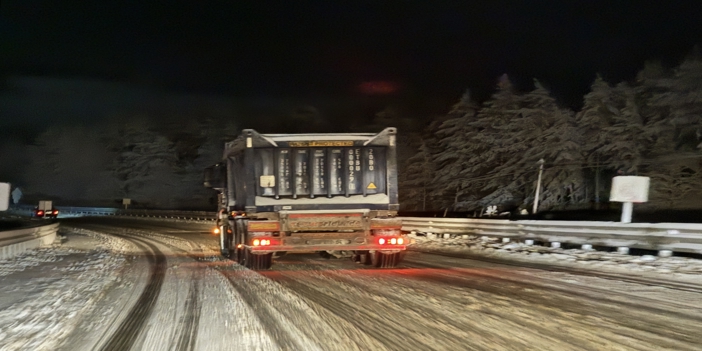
x: 683, y: 267
x: 53, y: 288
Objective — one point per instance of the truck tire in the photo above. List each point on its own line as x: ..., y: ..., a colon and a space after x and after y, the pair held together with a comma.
x: 385, y: 260
x: 362, y: 257
x: 258, y: 262
x: 239, y: 239
x: 228, y: 242
x: 365, y: 258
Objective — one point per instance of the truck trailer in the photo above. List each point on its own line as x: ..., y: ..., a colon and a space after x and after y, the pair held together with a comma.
x: 293, y: 193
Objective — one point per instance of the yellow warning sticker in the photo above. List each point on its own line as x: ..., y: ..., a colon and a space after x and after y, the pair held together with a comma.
x: 371, y: 186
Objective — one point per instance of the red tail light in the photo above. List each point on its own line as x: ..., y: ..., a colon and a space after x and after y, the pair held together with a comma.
x: 55, y: 212
x: 264, y: 242
x: 391, y: 241
x: 40, y: 213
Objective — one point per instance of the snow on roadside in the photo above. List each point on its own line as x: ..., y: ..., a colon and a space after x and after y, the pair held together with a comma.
x: 679, y: 267
x: 71, y: 279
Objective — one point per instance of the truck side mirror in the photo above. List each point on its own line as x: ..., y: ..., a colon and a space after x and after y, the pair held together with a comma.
x: 216, y: 176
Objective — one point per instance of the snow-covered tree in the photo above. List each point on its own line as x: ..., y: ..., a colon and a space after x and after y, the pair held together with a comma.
x: 146, y: 164
x: 64, y: 161
x: 674, y: 110
x: 652, y: 82
x: 490, y: 175
x: 625, y: 141
x: 454, y: 149
x: 683, y: 101
x: 539, y: 129
x: 417, y: 185
x: 597, y: 114
x: 615, y: 135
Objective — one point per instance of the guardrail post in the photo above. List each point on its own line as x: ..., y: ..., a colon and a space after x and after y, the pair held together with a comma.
x: 586, y: 247
x: 623, y: 250
x: 555, y: 244
x: 529, y: 242
x: 665, y: 253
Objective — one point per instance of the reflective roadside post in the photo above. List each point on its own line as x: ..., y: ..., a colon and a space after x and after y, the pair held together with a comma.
x: 628, y: 190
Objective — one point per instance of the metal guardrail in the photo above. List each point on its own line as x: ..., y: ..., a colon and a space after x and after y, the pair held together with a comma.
x: 168, y: 214
x: 111, y: 211
x: 677, y: 237
x: 13, y: 242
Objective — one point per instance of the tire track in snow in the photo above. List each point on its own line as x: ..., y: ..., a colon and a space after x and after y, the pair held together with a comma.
x: 591, y: 292
x: 191, y: 319
x: 476, y: 336
x: 392, y: 336
x: 655, y: 282
x: 123, y: 338
x: 638, y: 327
x: 269, y: 322
x: 488, y: 314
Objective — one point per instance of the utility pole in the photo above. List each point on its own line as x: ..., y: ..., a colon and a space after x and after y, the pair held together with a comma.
x: 538, y: 187
x: 597, y: 182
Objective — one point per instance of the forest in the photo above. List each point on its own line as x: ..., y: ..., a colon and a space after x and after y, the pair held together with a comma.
x: 487, y: 154
x: 475, y: 155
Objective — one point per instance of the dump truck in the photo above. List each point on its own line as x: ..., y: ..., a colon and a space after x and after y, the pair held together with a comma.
x: 293, y: 193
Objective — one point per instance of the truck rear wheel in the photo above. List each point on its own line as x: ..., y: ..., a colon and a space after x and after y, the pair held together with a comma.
x: 238, y: 243
x: 385, y: 260
x: 225, y: 249
x: 362, y: 257
x: 258, y: 262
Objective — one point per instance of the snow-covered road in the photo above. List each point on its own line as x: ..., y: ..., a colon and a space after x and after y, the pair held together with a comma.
x: 140, y: 285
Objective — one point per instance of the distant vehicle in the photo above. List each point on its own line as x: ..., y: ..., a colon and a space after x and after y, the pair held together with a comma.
x: 45, y: 210
x: 330, y: 193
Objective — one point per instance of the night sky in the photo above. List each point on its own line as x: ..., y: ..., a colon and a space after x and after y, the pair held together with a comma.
x: 80, y: 60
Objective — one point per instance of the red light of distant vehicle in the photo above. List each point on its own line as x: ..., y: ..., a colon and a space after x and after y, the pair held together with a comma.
x: 381, y: 241
x: 55, y: 212
x: 216, y: 231
x: 400, y: 241
x: 40, y: 213
x: 393, y: 241
x: 256, y: 242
